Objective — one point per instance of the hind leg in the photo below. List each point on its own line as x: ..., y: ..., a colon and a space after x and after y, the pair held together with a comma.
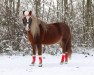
x: 64, y: 57
x: 68, y: 48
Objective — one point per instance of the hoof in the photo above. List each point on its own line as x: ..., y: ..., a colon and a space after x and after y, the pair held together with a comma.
x: 40, y: 65
x: 61, y: 63
x: 31, y: 64
x: 66, y: 62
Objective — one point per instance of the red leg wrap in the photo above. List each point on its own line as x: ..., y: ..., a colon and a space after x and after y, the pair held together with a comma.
x: 33, y: 59
x: 40, y: 60
x: 63, y: 58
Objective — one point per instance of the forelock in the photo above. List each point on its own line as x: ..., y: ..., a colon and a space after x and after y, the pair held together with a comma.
x: 26, y: 13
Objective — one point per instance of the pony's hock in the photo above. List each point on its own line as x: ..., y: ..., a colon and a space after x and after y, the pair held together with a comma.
x: 42, y: 33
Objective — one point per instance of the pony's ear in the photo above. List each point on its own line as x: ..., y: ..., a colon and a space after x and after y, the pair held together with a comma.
x: 23, y: 12
x: 30, y: 12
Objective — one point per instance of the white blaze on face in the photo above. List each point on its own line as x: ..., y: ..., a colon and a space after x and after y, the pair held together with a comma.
x: 27, y: 24
x: 27, y: 27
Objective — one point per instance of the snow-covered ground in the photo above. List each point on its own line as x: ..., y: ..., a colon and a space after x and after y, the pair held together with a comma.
x: 19, y: 65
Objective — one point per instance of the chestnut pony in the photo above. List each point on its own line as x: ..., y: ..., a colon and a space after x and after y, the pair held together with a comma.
x: 40, y: 33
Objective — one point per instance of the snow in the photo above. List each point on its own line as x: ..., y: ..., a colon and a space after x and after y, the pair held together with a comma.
x: 20, y: 65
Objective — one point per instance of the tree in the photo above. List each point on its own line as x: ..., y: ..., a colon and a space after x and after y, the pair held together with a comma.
x: 88, y: 20
x: 10, y: 24
x: 65, y: 10
x: 37, y: 7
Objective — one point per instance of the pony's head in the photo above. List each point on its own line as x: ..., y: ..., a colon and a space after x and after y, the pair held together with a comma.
x: 27, y: 20
x: 32, y: 23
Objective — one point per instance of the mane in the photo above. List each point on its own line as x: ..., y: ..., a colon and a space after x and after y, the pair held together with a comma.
x: 35, y: 30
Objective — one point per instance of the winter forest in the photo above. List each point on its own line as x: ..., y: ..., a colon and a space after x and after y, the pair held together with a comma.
x: 16, y: 50
x: 79, y: 14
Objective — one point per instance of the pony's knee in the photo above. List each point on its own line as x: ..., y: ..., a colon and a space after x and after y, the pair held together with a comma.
x: 34, y: 52
x: 39, y: 52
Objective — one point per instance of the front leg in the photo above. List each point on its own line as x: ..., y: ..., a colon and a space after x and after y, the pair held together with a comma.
x: 34, y: 54
x: 39, y: 47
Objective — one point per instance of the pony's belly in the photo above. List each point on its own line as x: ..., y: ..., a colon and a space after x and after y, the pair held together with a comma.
x: 53, y: 40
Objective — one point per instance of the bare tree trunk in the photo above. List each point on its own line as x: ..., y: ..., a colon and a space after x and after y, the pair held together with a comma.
x: 43, y: 12
x: 65, y: 10
x: 71, y: 9
x: 49, y: 10
x: 37, y: 7
x: 17, y: 8
x: 88, y: 22
x: 62, y: 5
x: 58, y: 10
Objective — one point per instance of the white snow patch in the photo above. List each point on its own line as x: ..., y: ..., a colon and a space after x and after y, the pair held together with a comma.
x: 19, y: 65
